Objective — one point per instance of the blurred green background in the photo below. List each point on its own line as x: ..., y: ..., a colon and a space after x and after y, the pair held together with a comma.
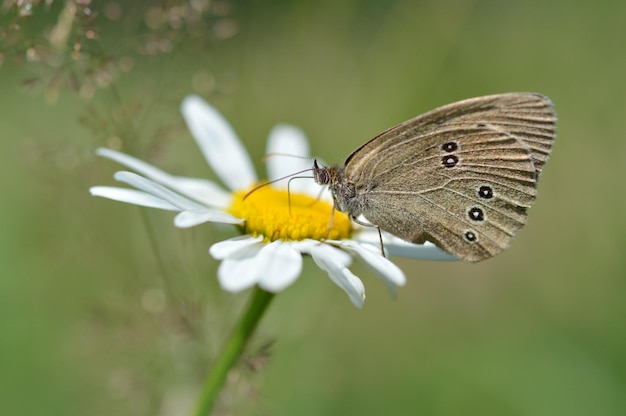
x: 107, y: 309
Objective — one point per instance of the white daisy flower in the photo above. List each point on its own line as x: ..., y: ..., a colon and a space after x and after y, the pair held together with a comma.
x: 279, y: 226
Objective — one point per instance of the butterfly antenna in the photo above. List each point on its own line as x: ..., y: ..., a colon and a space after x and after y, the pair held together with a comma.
x: 268, y: 155
x: 289, y: 188
x: 274, y: 181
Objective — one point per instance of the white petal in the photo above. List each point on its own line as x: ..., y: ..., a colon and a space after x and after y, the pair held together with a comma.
x: 157, y: 190
x: 350, y: 283
x: 279, y: 266
x: 201, y: 190
x: 291, y: 149
x: 426, y: 251
x: 357, y: 290
x: 398, y: 247
x: 225, y: 248
x: 219, y: 143
x: 389, y: 273
x: 131, y: 196
x: 188, y: 219
x: 135, y: 164
x: 307, y: 246
x: 328, y: 259
x: 240, y: 270
x: 372, y: 256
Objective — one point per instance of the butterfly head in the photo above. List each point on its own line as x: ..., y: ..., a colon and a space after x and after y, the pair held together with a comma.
x: 344, y: 193
x: 323, y: 175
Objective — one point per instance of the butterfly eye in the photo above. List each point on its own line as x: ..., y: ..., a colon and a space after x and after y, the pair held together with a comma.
x: 321, y: 175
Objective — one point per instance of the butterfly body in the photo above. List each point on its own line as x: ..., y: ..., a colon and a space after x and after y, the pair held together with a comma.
x: 461, y: 176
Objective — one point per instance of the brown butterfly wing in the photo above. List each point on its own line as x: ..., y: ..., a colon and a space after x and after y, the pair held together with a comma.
x: 461, y: 176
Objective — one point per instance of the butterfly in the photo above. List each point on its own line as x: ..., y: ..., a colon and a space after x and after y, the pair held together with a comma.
x: 461, y: 176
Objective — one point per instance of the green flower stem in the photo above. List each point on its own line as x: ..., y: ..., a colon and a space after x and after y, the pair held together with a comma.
x: 232, y: 351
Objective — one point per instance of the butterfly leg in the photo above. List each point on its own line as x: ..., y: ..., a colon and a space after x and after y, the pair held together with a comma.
x: 330, y: 223
x: 380, y: 238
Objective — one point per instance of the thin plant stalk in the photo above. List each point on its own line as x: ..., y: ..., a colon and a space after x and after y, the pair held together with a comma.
x: 231, y: 353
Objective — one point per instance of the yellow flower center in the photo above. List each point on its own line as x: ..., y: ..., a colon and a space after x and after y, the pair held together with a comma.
x: 276, y: 214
